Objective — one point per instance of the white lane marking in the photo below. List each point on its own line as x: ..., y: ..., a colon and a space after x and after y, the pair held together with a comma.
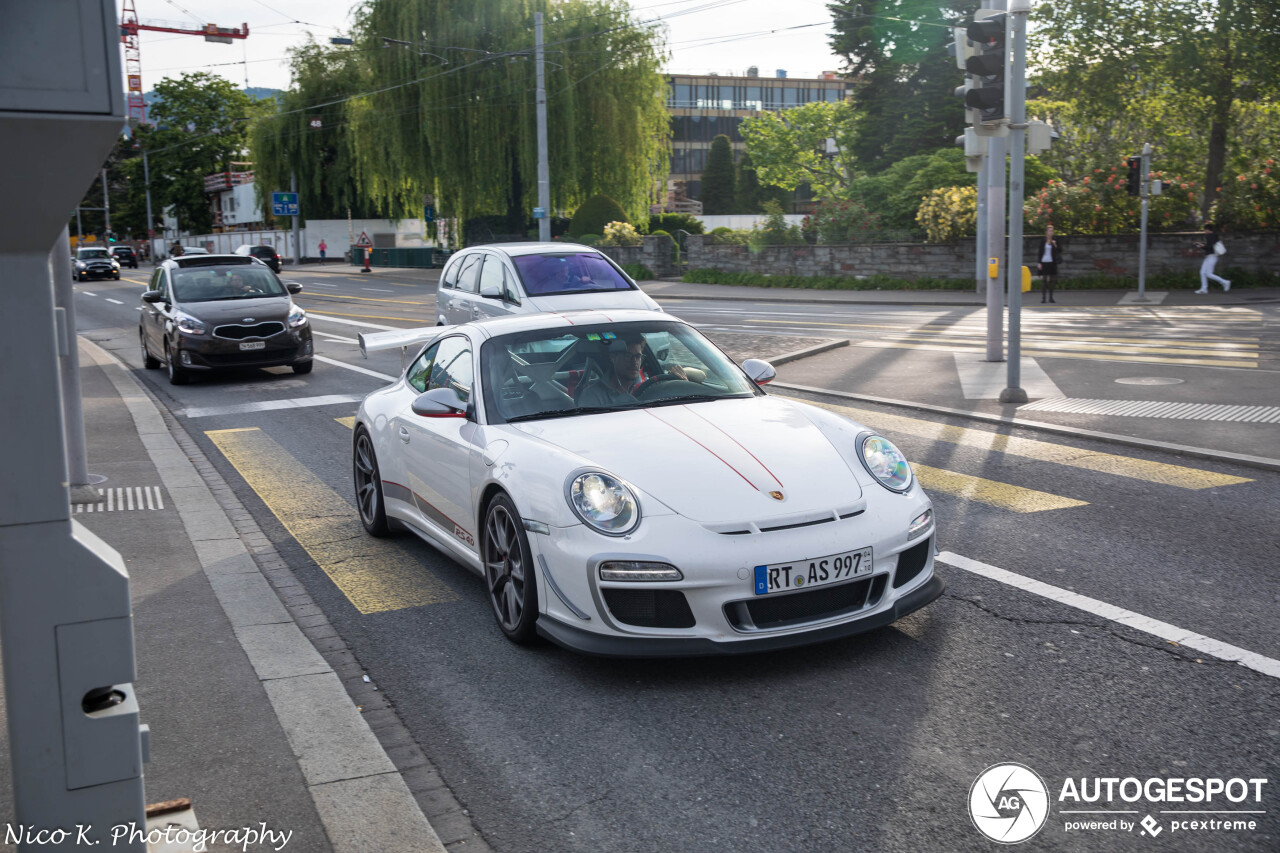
x: 345, y: 322
x: 1158, y: 409
x: 269, y: 405
x: 363, y: 370
x: 378, y: 289
x: 1145, y: 624
x: 116, y: 301
x: 330, y: 337
x: 321, y: 284
x: 87, y: 293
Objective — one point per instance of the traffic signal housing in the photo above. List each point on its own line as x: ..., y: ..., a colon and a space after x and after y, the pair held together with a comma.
x: 1134, y: 185
x: 979, y: 51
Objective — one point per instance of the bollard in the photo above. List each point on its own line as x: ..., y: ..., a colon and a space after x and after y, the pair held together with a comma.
x: 367, y: 253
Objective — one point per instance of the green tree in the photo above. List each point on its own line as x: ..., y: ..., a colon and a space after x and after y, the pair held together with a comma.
x: 452, y: 108
x: 324, y: 158
x: 1208, y: 56
x: 790, y: 148
x: 718, y: 179
x: 905, y: 79
x: 202, y: 125
x: 749, y: 196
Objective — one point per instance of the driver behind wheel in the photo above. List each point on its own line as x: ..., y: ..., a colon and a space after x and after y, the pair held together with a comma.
x: 625, y: 374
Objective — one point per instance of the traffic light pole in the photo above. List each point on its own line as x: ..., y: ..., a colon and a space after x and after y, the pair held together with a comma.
x: 1142, y: 239
x: 106, y: 210
x: 995, y: 232
x: 980, y: 244
x: 544, y: 171
x: 1016, y: 93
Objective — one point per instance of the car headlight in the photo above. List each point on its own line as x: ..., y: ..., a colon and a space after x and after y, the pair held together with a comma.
x: 297, y: 317
x: 885, y: 462
x: 604, y: 502
x: 189, y: 325
x: 81, y: 264
x: 115, y: 264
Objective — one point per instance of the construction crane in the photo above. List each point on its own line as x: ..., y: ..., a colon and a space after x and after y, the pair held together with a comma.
x: 130, y: 26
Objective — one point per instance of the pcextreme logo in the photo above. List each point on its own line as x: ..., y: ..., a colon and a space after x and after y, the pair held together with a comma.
x: 1009, y: 803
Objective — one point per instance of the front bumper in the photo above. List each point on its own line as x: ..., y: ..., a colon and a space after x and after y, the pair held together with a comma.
x: 98, y: 272
x: 714, y: 609
x: 292, y: 346
x: 604, y: 645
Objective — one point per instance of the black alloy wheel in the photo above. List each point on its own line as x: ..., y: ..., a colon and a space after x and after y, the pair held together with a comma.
x: 364, y: 469
x: 177, y: 373
x: 148, y: 361
x: 508, y: 571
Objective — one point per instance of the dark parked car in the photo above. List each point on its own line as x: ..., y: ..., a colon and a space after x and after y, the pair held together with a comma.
x: 204, y: 312
x: 266, y: 254
x: 126, y: 256
x: 94, y: 263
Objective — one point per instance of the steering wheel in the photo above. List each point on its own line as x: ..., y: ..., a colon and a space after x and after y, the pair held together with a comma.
x: 651, y: 381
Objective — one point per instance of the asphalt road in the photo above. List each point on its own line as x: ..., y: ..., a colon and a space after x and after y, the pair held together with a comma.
x: 871, y: 743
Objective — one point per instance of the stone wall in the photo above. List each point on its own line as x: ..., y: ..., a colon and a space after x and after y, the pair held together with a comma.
x: 1081, y: 256
x: 657, y: 254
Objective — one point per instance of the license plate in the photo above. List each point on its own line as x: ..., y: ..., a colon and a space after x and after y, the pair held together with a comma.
x: 819, y: 571
x: 248, y: 345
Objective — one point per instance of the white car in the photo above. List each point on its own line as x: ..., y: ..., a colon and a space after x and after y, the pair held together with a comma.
x: 624, y: 489
x: 527, y: 278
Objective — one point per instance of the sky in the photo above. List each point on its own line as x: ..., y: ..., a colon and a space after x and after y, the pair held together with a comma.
x: 722, y: 36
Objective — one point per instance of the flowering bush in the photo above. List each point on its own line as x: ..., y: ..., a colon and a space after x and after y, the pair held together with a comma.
x: 621, y: 234
x: 723, y: 236
x: 1101, y: 204
x: 841, y: 221
x: 949, y: 213
x: 1251, y: 200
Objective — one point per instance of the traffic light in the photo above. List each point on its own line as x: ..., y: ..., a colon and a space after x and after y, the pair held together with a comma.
x: 985, y: 68
x: 1134, y: 185
x: 111, y: 236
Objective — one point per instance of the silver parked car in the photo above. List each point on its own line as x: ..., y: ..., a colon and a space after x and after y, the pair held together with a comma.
x: 532, y: 278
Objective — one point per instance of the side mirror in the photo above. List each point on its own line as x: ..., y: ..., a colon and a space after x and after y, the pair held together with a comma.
x: 153, y: 296
x: 490, y: 291
x: 760, y: 372
x: 440, y: 403
x: 293, y: 287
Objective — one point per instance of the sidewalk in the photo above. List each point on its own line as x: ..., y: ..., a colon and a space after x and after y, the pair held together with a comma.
x: 248, y: 719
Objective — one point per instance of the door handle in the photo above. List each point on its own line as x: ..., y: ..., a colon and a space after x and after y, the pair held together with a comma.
x: 404, y: 435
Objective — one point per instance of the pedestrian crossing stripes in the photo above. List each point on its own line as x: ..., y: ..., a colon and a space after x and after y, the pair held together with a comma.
x: 1158, y: 409
x: 125, y: 499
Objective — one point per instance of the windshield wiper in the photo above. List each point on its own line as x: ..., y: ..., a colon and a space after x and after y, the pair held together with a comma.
x: 564, y: 413
x: 694, y: 398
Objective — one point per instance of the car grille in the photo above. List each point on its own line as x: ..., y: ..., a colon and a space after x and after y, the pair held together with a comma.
x: 798, y: 608
x: 649, y: 608
x: 911, y: 562
x: 239, y: 333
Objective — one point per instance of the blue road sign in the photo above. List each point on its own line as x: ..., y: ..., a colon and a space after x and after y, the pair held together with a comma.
x: 539, y: 213
x: 284, y: 204
x: 428, y: 213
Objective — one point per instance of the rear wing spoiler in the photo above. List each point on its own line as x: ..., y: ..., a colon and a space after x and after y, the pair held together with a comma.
x: 400, y: 339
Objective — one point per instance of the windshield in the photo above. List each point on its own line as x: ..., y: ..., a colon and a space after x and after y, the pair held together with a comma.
x: 207, y: 284
x: 578, y: 272
x: 86, y: 254
x: 589, y: 369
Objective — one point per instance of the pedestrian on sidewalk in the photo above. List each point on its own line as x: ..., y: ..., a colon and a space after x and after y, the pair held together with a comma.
x: 1050, y: 256
x: 323, y: 248
x: 1212, y: 248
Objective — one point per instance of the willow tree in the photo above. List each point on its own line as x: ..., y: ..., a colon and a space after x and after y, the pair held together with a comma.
x: 312, y: 136
x: 452, y: 106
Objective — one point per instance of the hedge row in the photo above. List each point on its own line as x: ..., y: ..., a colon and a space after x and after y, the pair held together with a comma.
x: 1186, y: 280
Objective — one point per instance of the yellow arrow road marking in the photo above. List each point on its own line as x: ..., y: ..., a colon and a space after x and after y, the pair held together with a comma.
x: 1220, y: 361
x: 1042, y: 451
x: 991, y: 492
x: 376, y: 575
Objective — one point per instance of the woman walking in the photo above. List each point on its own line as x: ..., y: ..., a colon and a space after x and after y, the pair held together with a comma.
x: 1050, y: 256
x: 1210, y: 247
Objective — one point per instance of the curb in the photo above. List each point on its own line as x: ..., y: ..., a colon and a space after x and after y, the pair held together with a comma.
x: 339, y: 756
x: 808, y: 351
x: 1262, y: 462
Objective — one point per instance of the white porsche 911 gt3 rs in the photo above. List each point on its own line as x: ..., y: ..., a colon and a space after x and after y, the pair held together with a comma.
x: 625, y: 489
